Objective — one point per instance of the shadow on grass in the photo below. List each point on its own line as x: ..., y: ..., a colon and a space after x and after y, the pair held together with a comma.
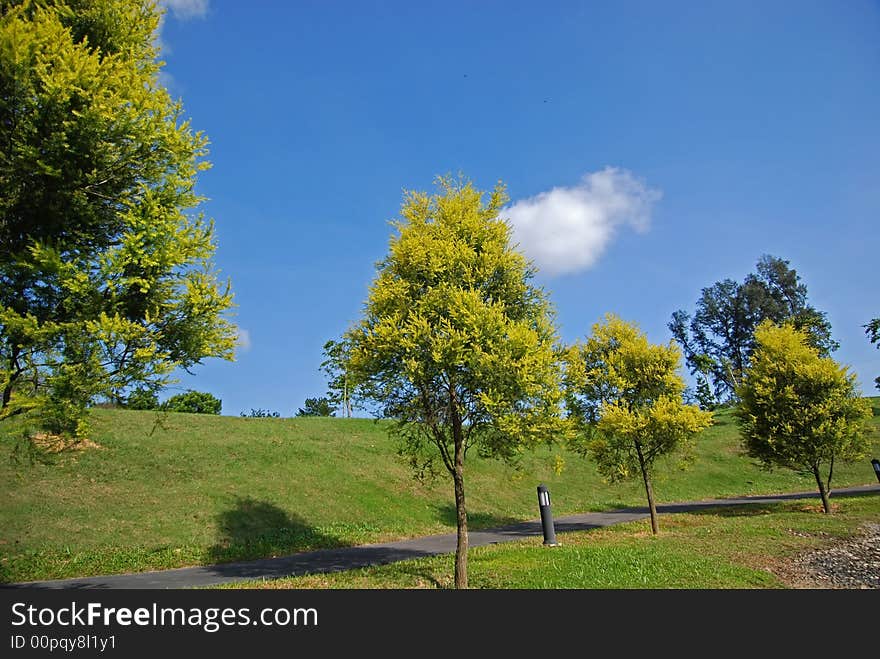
x: 425, y: 574
x: 605, y: 506
x: 259, y: 529
x: 785, y: 504
x: 446, y: 514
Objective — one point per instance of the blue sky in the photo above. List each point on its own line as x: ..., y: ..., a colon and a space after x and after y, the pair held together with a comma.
x: 675, y: 142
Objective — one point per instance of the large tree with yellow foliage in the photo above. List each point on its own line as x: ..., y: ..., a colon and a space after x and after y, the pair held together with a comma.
x: 456, y: 344
x: 106, y: 276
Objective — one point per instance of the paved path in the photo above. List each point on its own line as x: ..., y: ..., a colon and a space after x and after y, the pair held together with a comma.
x: 347, y: 558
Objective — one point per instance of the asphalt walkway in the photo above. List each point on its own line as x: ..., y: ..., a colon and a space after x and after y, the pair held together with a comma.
x: 347, y: 558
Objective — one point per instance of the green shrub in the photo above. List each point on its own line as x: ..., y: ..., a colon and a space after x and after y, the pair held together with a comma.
x: 261, y: 414
x: 194, y: 402
x: 142, y: 399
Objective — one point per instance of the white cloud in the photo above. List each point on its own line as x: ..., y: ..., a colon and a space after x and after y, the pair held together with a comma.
x: 566, y: 230
x: 186, y: 9
x: 243, y: 340
x: 183, y: 10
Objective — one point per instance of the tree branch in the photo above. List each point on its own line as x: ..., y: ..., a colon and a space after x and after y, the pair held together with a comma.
x: 431, y: 418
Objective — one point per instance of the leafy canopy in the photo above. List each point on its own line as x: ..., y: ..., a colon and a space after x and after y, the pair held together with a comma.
x: 872, y: 329
x: 106, y: 280
x: 453, y: 330
x: 320, y: 406
x: 626, y: 396
x: 796, y: 408
x: 719, y: 339
x: 142, y: 399
x: 193, y: 402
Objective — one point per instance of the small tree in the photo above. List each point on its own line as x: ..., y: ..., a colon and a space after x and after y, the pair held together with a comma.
x: 800, y: 410
x: 339, y: 394
x: 705, y: 396
x: 456, y: 345
x: 194, y: 402
x: 626, y: 396
x: 321, y: 406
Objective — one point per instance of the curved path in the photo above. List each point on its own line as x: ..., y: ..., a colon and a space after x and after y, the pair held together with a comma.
x: 347, y: 558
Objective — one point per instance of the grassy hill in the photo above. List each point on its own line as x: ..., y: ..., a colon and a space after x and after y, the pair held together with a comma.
x: 200, y: 489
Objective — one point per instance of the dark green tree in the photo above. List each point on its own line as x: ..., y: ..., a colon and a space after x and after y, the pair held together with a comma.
x: 193, y: 402
x: 872, y: 329
x: 321, y: 406
x: 142, y: 399
x: 704, y: 395
x: 718, y: 340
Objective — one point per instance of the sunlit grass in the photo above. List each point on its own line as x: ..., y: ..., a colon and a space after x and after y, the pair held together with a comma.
x: 197, y: 489
x: 744, y: 547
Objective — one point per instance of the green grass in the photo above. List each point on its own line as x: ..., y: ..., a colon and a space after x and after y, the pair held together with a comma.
x: 741, y: 547
x: 202, y: 489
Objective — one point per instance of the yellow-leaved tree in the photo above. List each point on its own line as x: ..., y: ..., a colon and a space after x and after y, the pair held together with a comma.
x: 625, y: 395
x: 456, y: 344
x: 107, y: 281
x: 798, y: 409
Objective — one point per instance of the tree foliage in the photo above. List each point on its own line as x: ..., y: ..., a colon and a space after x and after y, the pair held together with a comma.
x: 872, y: 329
x: 339, y: 392
x: 106, y: 280
x: 625, y: 395
x: 718, y: 340
x: 193, y: 402
x: 142, y: 399
x: 456, y: 345
x: 800, y: 410
x: 320, y: 406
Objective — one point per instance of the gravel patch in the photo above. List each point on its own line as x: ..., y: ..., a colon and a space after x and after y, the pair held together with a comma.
x: 852, y: 563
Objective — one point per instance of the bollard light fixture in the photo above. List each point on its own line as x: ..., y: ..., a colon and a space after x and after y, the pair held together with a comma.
x: 546, y: 516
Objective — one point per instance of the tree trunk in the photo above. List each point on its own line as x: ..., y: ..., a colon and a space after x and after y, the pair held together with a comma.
x: 461, y: 547
x: 655, y: 527
x: 7, y: 394
x: 14, y: 372
x: 823, y: 492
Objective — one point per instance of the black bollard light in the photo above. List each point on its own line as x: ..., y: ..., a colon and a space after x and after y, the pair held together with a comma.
x: 546, y: 516
x: 876, y: 464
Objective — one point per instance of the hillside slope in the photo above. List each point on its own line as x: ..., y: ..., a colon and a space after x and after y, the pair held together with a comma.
x: 199, y: 489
